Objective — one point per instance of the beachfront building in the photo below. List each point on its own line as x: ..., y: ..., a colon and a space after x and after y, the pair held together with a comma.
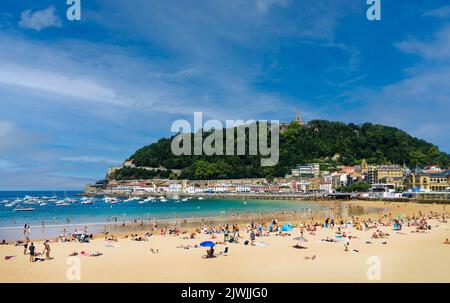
x: 326, y: 187
x: 338, y: 180
x: 305, y: 171
x: 388, y: 171
x: 422, y: 180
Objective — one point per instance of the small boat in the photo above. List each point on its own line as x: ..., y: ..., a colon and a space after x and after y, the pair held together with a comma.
x: 184, y: 200
x: 63, y: 204
x: 24, y: 209
x: 87, y: 201
x: 42, y: 204
x: 201, y: 198
x: 10, y: 204
x: 114, y: 201
x: 163, y: 200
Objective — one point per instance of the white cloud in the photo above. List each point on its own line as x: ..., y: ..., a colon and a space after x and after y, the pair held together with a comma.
x: 56, y: 82
x: 441, y: 12
x: 8, y: 166
x: 438, y: 48
x: 92, y: 159
x: 264, y: 5
x: 40, y: 20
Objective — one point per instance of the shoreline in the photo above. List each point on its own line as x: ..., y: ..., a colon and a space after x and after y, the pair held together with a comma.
x: 191, y: 223
x: 270, y: 196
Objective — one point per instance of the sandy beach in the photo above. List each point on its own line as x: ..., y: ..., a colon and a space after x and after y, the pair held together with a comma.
x: 403, y: 256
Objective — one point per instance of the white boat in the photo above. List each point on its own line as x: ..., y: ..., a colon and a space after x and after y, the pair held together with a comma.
x: 163, y: 200
x: 63, y: 204
x: 176, y: 197
x: 131, y: 199
x: 87, y: 202
x: 113, y: 201
x: 201, y: 198
x: 10, y: 204
x: 184, y: 200
x: 4, y: 201
x: 24, y: 209
x: 42, y: 204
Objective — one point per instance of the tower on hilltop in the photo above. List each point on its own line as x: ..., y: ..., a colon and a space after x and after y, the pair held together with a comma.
x: 298, y: 119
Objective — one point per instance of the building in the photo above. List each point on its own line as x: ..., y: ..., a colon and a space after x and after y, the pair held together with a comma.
x: 371, y: 177
x: 298, y: 121
x: 311, y: 170
x: 338, y: 180
x: 430, y: 182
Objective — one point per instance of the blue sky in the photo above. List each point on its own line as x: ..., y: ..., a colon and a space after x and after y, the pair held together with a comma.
x: 78, y: 97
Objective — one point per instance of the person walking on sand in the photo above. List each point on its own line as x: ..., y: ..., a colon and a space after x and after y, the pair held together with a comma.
x: 47, y: 250
x: 31, y: 249
x: 25, y: 245
x: 252, y: 238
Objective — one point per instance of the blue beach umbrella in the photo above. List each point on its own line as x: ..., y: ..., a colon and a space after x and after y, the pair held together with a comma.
x: 207, y: 244
x: 286, y: 227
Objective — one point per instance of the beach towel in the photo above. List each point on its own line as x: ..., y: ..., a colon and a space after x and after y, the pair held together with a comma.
x: 9, y: 257
x: 261, y: 244
x: 111, y: 246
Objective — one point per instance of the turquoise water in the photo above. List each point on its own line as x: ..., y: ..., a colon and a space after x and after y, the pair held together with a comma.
x: 100, y: 213
x: 49, y: 219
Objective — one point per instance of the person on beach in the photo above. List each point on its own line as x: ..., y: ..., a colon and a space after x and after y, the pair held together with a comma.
x: 252, y: 238
x: 47, y: 250
x: 25, y: 245
x: 31, y: 249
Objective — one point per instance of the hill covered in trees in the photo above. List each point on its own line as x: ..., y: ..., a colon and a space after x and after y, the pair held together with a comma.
x: 329, y: 143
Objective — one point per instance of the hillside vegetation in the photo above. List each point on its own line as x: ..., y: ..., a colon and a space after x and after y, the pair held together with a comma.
x: 329, y: 143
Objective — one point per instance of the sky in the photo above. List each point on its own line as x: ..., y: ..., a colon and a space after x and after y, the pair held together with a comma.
x: 77, y: 97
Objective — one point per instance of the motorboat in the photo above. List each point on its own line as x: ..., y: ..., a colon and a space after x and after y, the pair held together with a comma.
x: 87, y: 201
x: 24, y: 209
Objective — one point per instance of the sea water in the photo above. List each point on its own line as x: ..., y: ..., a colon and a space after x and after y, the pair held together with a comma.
x: 51, y: 219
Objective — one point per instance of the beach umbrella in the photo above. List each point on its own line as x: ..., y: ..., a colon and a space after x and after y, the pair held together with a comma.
x: 301, y: 239
x: 286, y: 227
x: 207, y: 244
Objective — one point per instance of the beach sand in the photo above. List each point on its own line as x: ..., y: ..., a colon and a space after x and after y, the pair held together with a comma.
x: 407, y: 257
